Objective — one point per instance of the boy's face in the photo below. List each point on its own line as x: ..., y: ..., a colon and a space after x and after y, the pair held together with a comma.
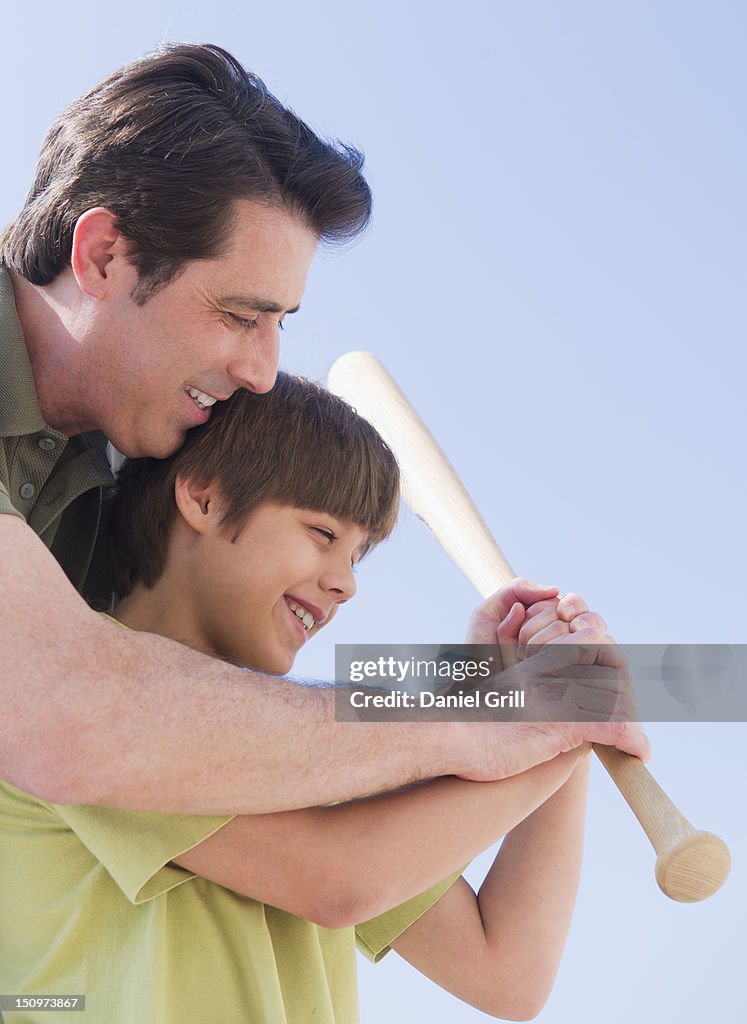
x: 258, y: 599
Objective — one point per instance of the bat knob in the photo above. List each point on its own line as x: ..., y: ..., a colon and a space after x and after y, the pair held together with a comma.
x: 694, y: 867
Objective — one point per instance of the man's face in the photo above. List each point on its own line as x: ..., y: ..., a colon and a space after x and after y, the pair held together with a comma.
x: 154, y: 370
x: 258, y: 599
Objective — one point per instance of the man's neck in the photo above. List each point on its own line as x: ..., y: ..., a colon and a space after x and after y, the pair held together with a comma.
x: 54, y: 354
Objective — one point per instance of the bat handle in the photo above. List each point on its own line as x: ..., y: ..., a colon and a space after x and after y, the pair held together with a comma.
x: 690, y: 865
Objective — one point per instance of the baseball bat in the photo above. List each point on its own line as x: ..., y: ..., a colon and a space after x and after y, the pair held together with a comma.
x: 690, y: 864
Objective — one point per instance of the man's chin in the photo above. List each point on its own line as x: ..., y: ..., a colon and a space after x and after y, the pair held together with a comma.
x: 152, y: 448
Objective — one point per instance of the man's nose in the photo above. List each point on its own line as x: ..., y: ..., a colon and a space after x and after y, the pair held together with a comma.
x: 255, y: 363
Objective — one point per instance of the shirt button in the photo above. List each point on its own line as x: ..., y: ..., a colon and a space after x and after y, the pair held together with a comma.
x: 46, y: 443
x: 27, y: 491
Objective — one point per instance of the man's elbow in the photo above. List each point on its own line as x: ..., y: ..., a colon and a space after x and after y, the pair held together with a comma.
x: 58, y: 780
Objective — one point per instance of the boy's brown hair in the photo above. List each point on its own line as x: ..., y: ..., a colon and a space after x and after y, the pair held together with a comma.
x: 297, y: 444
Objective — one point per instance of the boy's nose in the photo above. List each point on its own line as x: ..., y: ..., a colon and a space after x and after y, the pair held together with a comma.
x: 341, y: 582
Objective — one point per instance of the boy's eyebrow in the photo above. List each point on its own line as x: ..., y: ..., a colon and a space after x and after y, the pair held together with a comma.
x: 257, y: 305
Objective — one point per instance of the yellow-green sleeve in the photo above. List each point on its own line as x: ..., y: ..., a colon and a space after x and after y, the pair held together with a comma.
x: 136, y: 847
x: 375, y: 937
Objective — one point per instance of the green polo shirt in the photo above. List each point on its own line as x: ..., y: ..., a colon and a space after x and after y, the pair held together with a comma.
x: 91, y: 904
x: 55, y: 483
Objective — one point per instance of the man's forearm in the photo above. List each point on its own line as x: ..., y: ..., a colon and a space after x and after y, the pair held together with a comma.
x: 156, y: 726
x: 94, y: 714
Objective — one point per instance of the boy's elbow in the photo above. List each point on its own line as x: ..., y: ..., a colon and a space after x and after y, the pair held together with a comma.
x: 520, y: 1010
x: 521, y: 999
x: 343, y: 903
x: 520, y: 1006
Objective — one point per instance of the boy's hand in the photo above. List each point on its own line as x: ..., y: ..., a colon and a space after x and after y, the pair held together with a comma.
x: 525, y: 614
x: 524, y: 618
x: 500, y: 618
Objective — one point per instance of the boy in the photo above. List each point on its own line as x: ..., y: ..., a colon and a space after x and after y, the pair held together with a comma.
x: 243, y: 545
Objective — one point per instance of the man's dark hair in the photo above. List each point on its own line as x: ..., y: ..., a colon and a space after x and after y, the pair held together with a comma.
x: 298, y: 444
x: 167, y: 144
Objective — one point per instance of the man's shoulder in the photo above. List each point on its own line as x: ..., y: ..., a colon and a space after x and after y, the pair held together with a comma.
x: 19, y: 409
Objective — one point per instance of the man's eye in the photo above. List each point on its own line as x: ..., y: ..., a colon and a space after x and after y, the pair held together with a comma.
x: 248, y: 325
x: 251, y: 325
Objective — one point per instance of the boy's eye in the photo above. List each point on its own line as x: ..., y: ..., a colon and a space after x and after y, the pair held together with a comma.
x: 325, y: 533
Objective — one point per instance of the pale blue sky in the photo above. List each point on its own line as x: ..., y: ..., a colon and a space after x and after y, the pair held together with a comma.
x: 556, y: 276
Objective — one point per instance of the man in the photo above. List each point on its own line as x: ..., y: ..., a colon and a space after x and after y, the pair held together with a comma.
x: 174, y: 216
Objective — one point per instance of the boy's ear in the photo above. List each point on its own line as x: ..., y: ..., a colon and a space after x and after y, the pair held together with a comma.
x: 197, y: 503
x: 99, y: 248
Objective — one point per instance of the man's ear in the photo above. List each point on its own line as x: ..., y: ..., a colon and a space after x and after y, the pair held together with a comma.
x: 99, y: 250
x: 197, y: 504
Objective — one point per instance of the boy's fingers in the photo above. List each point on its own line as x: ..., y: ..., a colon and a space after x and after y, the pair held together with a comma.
x: 588, y: 620
x: 497, y: 607
x: 539, y: 607
x: 571, y: 605
x: 543, y: 636
x: 499, y: 604
x: 529, y: 593
x: 538, y: 621
x: 508, y: 629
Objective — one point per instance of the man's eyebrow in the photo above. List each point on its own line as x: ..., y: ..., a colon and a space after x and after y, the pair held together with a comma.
x: 257, y: 305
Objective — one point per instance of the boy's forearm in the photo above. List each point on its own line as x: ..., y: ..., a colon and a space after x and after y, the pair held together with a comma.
x: 548, y: 842
x: 411, y: 840
x: 499, y: 951
x: 526, y: 901
x: 344, y: 864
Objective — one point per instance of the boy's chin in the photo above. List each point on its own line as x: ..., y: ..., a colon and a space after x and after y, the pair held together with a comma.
x: 267, y: 666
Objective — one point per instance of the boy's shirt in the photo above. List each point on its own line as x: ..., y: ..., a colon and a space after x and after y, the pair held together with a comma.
x: 176, y: 947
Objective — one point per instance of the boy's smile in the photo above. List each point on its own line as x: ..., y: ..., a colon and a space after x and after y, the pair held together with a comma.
x: 307, y: 616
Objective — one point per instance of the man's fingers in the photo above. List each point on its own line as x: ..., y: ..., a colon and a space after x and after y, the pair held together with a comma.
x: 626, y: 736
x: 607, y: 703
